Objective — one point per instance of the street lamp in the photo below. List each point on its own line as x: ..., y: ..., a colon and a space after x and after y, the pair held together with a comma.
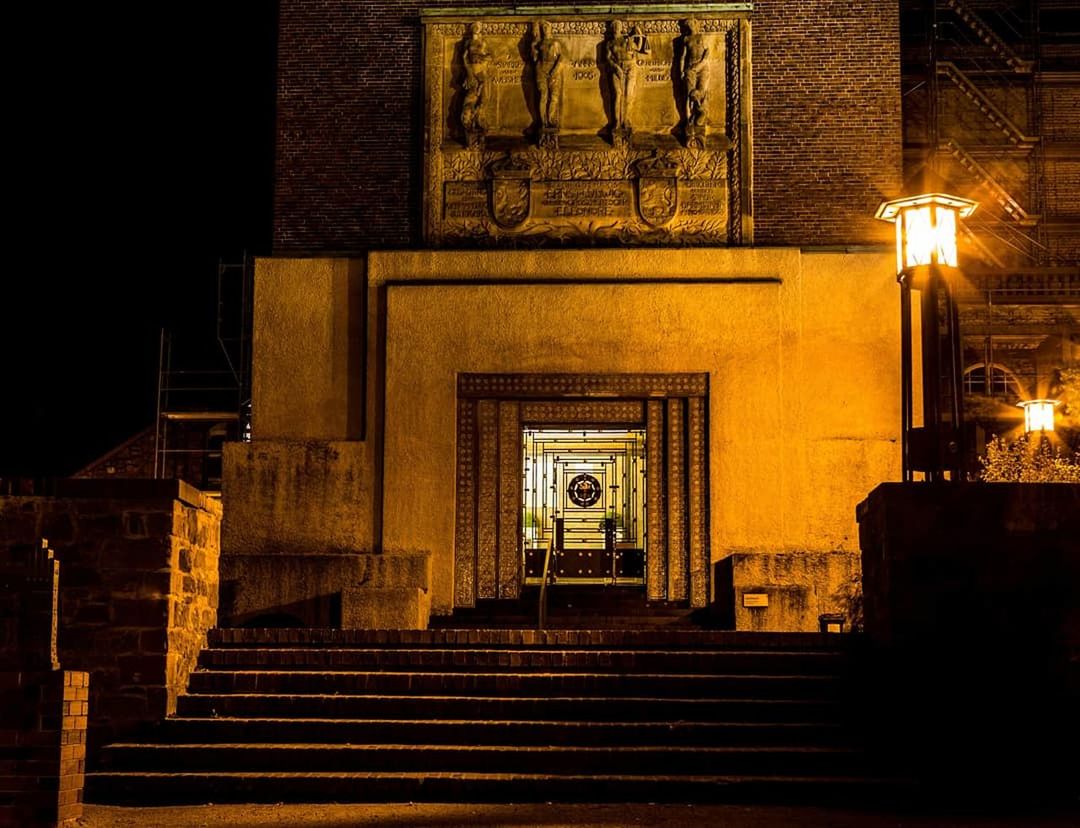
x: 927, y: 264
x: 1038, y: 414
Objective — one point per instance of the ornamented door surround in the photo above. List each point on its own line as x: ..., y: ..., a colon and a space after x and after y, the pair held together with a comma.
x: 493, y: 409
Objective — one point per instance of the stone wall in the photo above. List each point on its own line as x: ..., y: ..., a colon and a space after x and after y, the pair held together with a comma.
x: 800, y: 349
x: 798, y: 588
x: 826, y: 121
x: 138, y: 587
x: 972, y: 617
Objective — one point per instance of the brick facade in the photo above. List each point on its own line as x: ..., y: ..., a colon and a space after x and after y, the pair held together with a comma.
x: 43, y: 723
x: 826, y: 112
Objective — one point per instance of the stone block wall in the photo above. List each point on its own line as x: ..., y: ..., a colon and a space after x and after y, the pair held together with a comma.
x: 799, y: 587
x: 826, y: 112
x: 138, y: 587
x: 42, y: 746
x: 972, y: 619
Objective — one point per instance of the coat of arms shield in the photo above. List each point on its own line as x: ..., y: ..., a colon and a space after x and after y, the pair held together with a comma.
x: 511, y: 193
x: 657, y: 193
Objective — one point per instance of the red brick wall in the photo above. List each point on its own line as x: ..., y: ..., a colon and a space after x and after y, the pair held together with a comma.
x: 827, y: 128
x: 827, y: 134
x: 43, y: 724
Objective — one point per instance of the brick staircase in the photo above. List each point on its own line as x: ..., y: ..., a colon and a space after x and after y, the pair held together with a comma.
x: 575, y: 607
x: 504, y: 715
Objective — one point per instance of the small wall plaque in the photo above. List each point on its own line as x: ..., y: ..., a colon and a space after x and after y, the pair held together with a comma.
x: 755, y: 599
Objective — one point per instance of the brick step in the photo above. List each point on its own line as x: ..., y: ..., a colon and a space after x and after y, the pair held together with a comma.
x: 513, y: 732
x: 190, y: 788
x: 569, y: 621
x: 636, y: 759
x: 536, y: 708
x: 520, y: 659
x: 683, y: 685
x: 673, y: 639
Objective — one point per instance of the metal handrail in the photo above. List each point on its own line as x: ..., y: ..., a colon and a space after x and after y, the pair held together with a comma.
x: 549, y: 545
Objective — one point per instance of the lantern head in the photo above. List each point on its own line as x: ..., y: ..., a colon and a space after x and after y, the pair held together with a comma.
x: 926, y: 228
x: 1038, y: 414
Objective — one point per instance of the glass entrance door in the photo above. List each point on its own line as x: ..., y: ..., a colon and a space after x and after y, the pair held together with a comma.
x: 584, y: 492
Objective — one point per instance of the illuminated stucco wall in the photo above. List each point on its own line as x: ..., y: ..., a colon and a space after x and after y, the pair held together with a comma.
x: 801, y: 349
x: 307, y: 341
x: 306, y: 485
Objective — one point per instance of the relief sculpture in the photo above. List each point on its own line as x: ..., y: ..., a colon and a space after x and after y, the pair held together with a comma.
x: 586, y: 129
x: 695, y: 78
x: 549, y: 67
x: 622, y: 54
x: 475, y: 57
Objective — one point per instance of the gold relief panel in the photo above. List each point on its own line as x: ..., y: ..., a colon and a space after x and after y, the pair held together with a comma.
x: 629, y: 127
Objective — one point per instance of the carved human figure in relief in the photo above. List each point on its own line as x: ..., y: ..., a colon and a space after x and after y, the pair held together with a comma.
x: 475, y: 56
x: 695, y: 76
x: 622, y: 53
x: 548, y: 64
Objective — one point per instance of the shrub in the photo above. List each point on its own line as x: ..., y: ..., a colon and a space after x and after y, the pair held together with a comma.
x: 1027, y: 460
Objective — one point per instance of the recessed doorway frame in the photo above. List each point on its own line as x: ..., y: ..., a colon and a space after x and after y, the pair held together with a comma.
x: 493, y: 409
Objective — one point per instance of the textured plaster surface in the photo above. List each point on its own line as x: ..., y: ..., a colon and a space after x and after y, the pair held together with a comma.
x: 800, y: 587
x: 307, y: 346
x: 305, y: 585
x: 801, y: 349
x: 291, y: 497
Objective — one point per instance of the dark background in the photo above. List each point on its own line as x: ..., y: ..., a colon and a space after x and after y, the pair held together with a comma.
x: 147, y: 156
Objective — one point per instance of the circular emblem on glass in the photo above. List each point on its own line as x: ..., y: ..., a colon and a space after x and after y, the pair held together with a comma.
x: 584, y: 490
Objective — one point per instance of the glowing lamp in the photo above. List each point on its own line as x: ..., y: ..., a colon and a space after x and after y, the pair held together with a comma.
x: 926, y: 228
x: 1038, y: 414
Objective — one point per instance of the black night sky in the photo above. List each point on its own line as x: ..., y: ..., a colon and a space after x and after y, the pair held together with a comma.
x: 152, y: 159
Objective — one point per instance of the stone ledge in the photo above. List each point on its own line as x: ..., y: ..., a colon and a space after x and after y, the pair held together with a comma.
x: 374, y: 608
x: 308, y: 589
x: 136, y: 489
x: 799, y: 587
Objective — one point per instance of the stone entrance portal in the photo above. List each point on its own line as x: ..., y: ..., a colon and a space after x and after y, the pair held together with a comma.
x: 494, y: 410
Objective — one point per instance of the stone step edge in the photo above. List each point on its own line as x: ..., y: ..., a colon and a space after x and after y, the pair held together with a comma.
x: 456, y: 776
x: 455, y: 786
x: 229, y: 636
x: 518, y: 700
x: 549, y: 723
x: 287, y: 747
x: 552, y: 675
x: 521, y: 648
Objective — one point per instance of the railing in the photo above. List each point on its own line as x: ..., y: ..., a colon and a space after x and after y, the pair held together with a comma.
x: 988, y: 36
x: 549, y: 545
x: 997, y: 117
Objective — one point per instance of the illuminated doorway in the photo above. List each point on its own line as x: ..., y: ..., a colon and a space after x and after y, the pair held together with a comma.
x: 494, y: 414
x: 584, y: 495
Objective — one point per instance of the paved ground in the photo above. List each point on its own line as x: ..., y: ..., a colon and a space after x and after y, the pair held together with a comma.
x: 408, y: 815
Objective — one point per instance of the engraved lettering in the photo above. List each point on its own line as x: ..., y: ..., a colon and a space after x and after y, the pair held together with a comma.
x: 702, y: 198
x: 576, y: 199
x: 465, y: 199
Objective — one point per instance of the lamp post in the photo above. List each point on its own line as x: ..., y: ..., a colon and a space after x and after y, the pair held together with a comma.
x: 927, y: 264
x: 1038, y: 414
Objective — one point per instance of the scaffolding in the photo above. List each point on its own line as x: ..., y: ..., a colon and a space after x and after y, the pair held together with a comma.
x: 199, y: 410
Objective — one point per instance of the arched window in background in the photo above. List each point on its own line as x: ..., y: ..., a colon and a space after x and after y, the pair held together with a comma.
x: 1001, y: 381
